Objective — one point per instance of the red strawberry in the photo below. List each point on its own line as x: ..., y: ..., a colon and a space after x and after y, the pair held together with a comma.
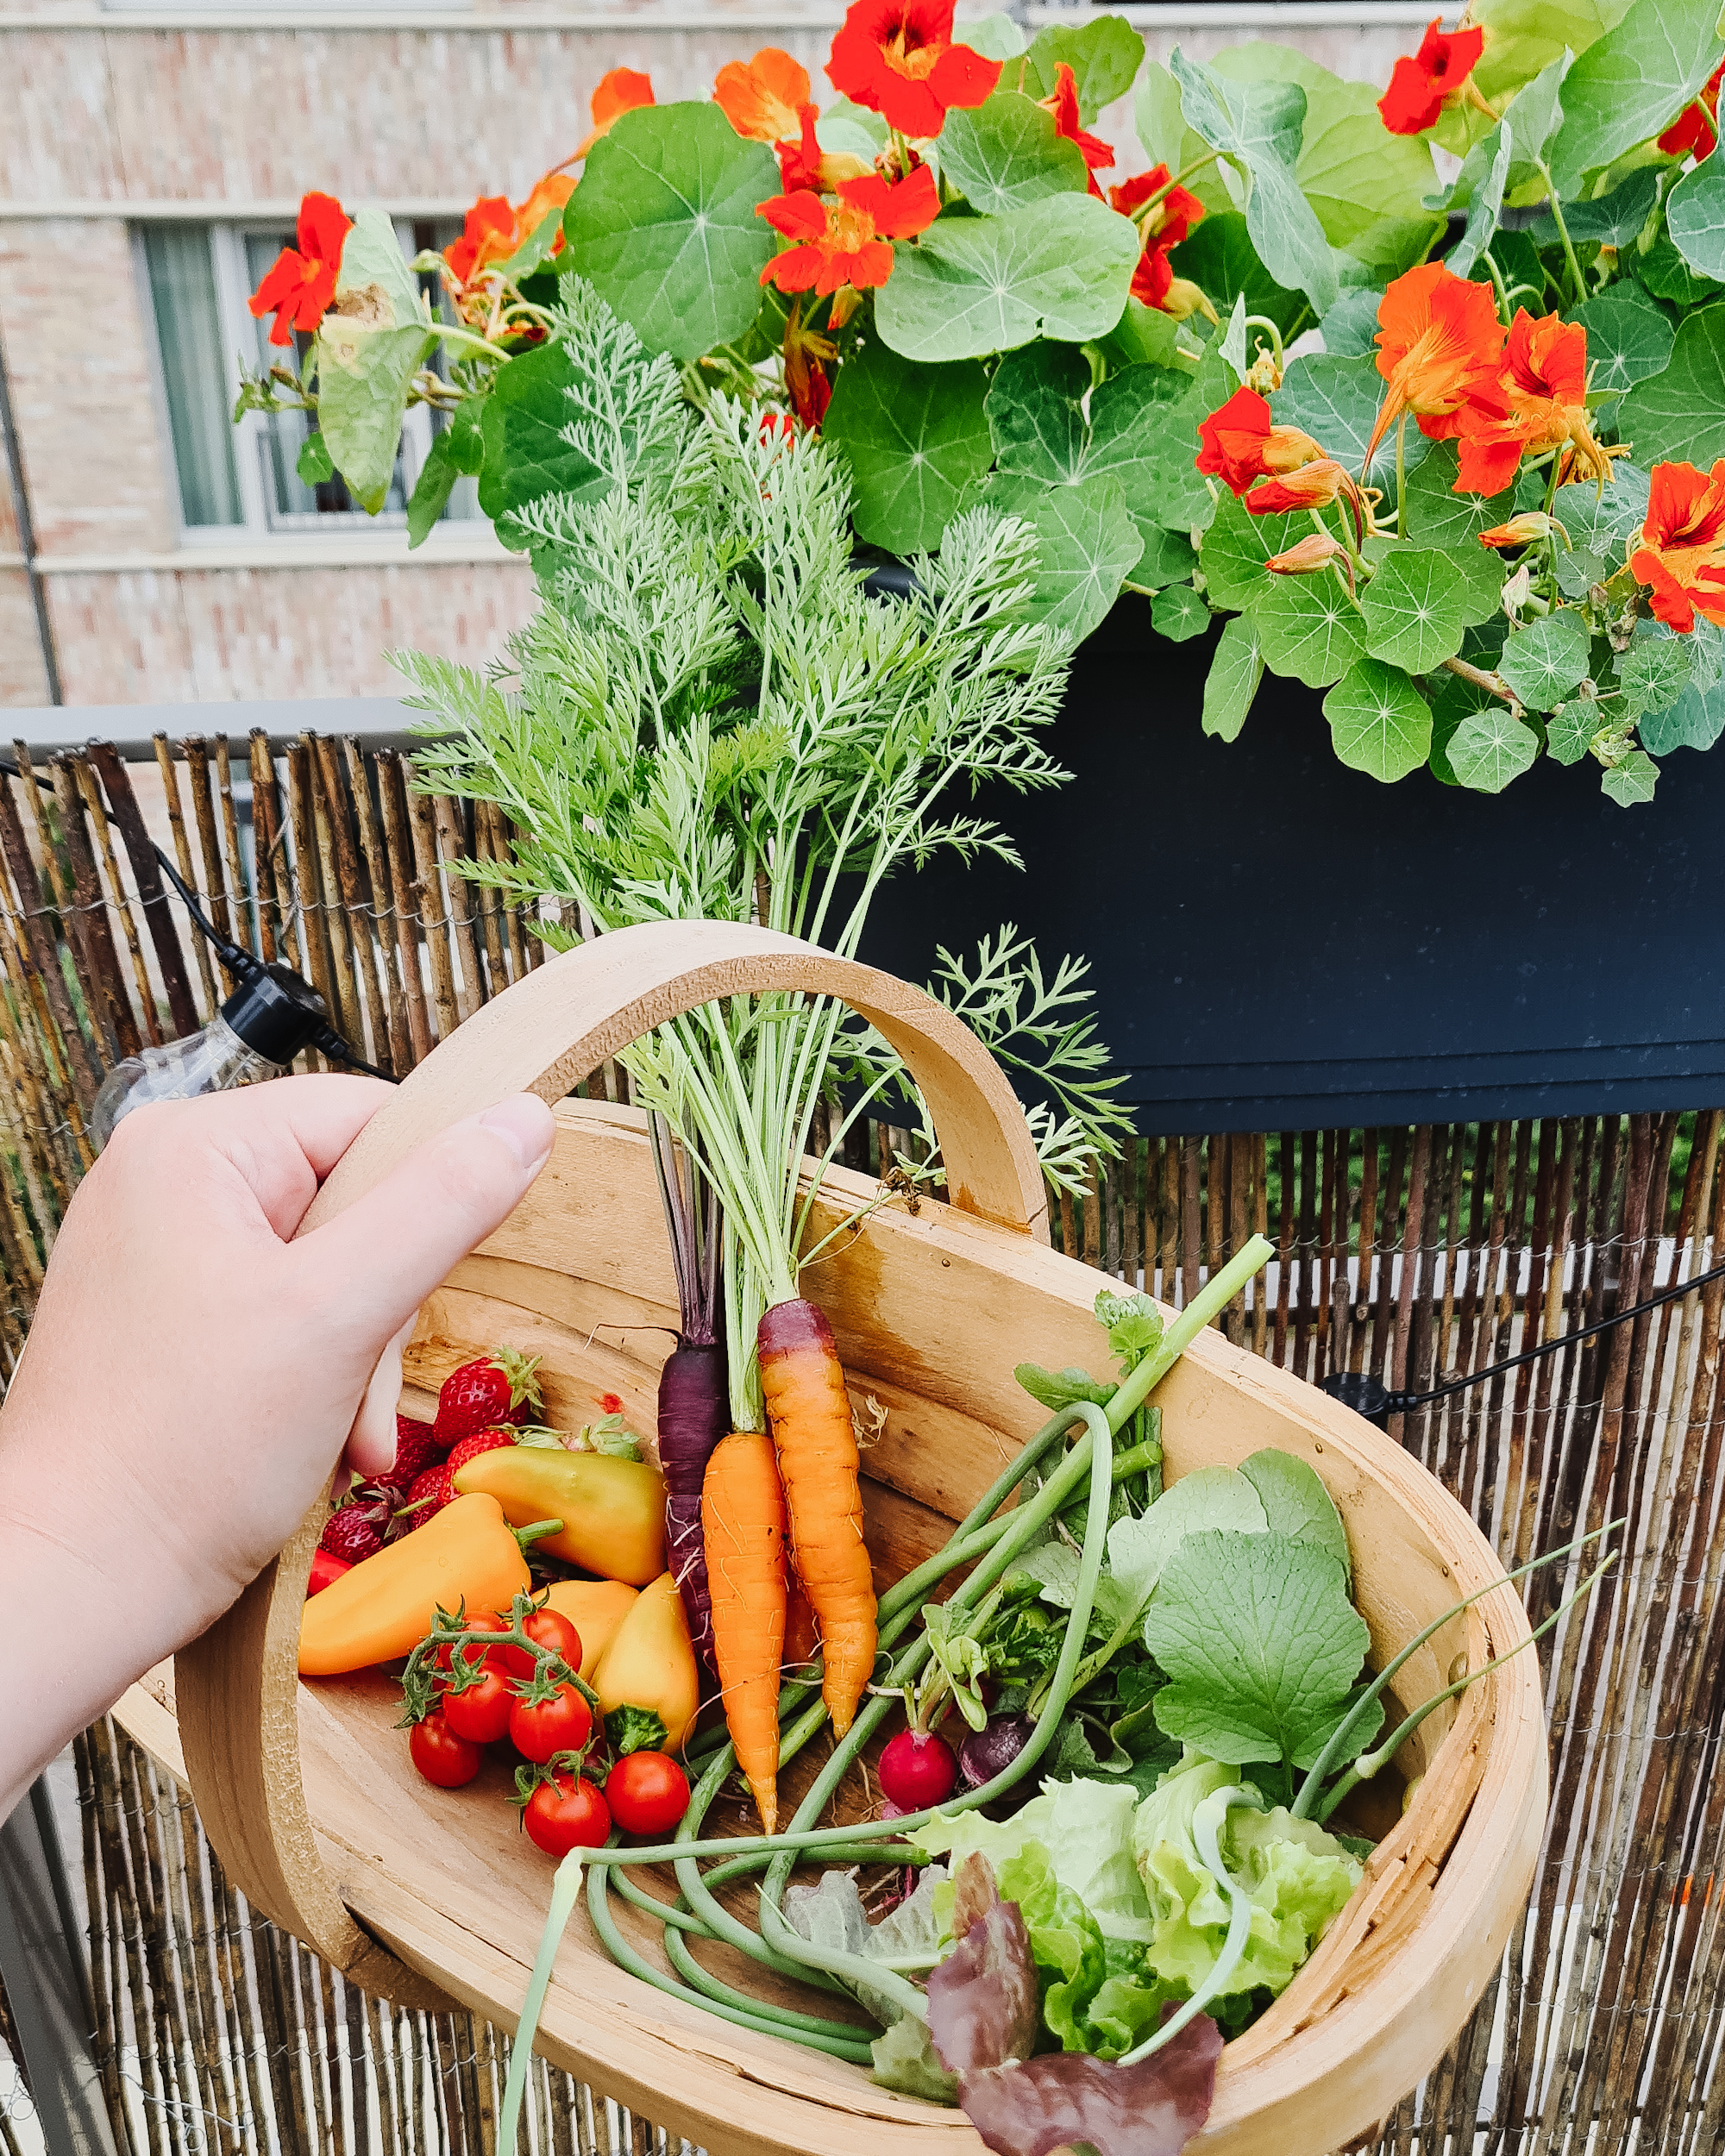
x: 416, y: 1449
x: 481, y: 1441
x: 353, y: 1532
x: 500, y: 1388
x: 436, y: 1485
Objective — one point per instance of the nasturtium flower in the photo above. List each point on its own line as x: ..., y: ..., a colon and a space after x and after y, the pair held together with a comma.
x: 1316, y: 551
x: 622, y: 90
x: 806, y: 377
x: 803, y: 163
x: 763, y: 97
x: 494, y: 228
x: 1064, y: 105
x: 1165, y: 225
x: 897, y: 58
x: 1421, y: 86
x: 1677, y: 552
x: 1545, y: 381
x: 848, y: 242
x: 1695, y: 129
x: 1441, y: 349
x: 1313, y: 485
x: 1241, y: 444
x: 300, y: 284
x: 1521, y: 530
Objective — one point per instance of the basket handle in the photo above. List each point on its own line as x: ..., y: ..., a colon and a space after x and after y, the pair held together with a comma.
x: 236, y: 1688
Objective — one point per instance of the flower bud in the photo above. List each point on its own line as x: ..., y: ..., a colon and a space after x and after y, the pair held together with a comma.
x: 1316, y: 551
x: 1183, y: 298
x: 1308, y: 485
x: 1522, y: 530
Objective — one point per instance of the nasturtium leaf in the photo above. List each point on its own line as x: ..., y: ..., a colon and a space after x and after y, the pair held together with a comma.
x: 1631, y: 780
x: 1695, y: 721
x: 1571, y: 728
x: 1220, y: 259
x: 914, y: 438
x: 1610, y: 220
x: 1632, y: 83
x: 535, y: 249
x: 1602, y: 518
x: 1259, y: 126
x: 1307, y: 626
x: 995, y: 37
x: 1453, y: 701
x: 1523, y: 36
x: 1036, y: 412
x: 1168, y: 557
x: 1143, y: 430
x: 1165, y: 138
x: 1236, y: 669
x: 363, y: 386
x: 1480, y: 185
x: 1178, y: 613
x: 1351, y: 325
x: 1630, y: 337
x: 1379, y: 721
x: 431, y: 490
x: 1261, y: 1643
x: 1234, y: 549
x: 1104, y: 54
x: 1008, y: 151
x: 314, y: 465
x: 1206, y: 1499
x: 1489, y: 749
x: 663, y: 226
x: 1666, y: 274
x: 1577, y: 571
x: 1058, y: 267
x: 371, y: 256
x: 1087, y: 544
x: 527, y: 453
x: 1143, y: 335
x: 1654, y: 672
x: 1335, y: 400
x: 1296, y: 1504
x: 1416, y: 610
x: 1439, y: 516
x: 1544, y: 661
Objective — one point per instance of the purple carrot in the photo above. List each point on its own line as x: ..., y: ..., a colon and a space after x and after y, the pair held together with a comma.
x: 694, y: 1395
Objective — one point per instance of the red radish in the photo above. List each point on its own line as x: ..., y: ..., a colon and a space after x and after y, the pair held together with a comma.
x: 917, y: 1771
x: 470, y: 1448
x: 694, y: 1413
x: 498, y: 1387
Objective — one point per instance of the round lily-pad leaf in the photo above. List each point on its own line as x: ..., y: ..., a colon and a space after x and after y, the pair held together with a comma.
x: 1308, y: 626
x: 1544, y: 661
x: 1379, y: 721
x: 1415, y: 609
x: 1489, y: 749
x: 914, y: 437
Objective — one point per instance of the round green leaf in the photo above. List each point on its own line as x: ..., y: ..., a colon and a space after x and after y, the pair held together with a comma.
x: 1629, y: 336
x: 1335, y: 401
x: 1631, y: 83
x: 1379, y: 721
x: 1571, y: 728
x: 1416, y: 610
x: 1234, y: 549
x: 1178, y: 613
x: 1008, y: 152
x: 1220, y: 259
x: 1104, y: 54
x: 1680, y: 415
x: 1087, y: 544
x: 1307, y: 626
x: 1058, y: 267
x: 1668, y: 276
x: 1144, y: 430
x: 1235, y: 672
x: 914, y: 437
x: 1654, y: 672
x: 1036, y: 412
x: 1543, y: 662
x: 663, y: 226
x: 1489, y: 749
x: 1633, y: 781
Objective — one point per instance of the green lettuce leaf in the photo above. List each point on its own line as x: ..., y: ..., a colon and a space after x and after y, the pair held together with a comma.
x: 1086, y: 1829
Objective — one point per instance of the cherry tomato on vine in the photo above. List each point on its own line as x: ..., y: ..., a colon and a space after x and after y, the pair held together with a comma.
x: 481, y: 1712
x: 445, y: 1759
x: 567, y: 1813
x: 549, y: 1628
x: 538, y: 1728
x: 648, y: 1793
x: 476, y: 1620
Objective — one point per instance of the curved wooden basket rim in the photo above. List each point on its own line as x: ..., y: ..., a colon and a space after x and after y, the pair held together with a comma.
x: 237, y: 1688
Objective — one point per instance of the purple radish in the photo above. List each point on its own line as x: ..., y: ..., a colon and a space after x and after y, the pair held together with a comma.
x: 991, y: 1750
x: 694, y: 1413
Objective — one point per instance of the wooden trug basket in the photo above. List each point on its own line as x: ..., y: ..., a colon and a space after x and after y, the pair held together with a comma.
x: 427, y: 1896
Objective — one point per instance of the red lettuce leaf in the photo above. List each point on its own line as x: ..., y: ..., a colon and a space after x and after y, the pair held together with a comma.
x: 983, y: 2005
x: 1153, y: 2109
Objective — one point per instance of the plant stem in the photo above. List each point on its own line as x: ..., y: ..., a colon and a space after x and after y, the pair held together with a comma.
x: 1401, y: 477
x: 1497, y: 286
x: 1167, y: 186
x: 1493, y: 684
x: 1577, y: 286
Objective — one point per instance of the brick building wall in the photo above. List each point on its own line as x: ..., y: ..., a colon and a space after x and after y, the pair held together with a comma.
x: 111, y: 115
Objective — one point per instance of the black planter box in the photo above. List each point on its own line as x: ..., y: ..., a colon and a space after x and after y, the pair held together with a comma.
x: 1279, y: 943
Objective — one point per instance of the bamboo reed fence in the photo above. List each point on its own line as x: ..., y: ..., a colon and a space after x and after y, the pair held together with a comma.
x: 1412, y: 1253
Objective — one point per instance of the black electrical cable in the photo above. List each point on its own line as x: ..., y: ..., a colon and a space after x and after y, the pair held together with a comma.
x: 235, y: 957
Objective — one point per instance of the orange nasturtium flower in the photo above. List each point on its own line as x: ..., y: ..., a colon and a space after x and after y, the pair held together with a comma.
x: 1421, y: 86
x: 1544, y: 380
x: 1163, y: 226
x: 1064, y: 105
x: 763, y: 97
x: 1240, y: 445
x: 1695, y: 129
x: 1522, y: 529
x: 897, y: 58
x: 493, y: 229
x: 622, y: 90
x: 848, y: 242
x: 300, y: 284
x: 1316, y: 551
x: 1678, y: 551
x: 806, y: 377
x: 1441, y: 349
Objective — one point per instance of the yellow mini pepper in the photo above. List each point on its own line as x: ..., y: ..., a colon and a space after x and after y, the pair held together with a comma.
x: 612, y: 1510
x: 595, y: 1608
x: 650, y: 1662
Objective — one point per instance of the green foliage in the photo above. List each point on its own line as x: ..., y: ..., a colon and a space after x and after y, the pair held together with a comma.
x: 1571, y: 728
x: 1675, y: 416
x: 1104, y: 54
x: 1630, y: 337
x: 1008, y: 152
x: 1036, y: 412
x: 1234, y: 549
x: 1631, y: 780
x: 1379, y: 721
x: 1694, y: 215
x: 1335, y: 401
x: 1309, y: 627
x: 1486, y: 751
x: 363, y: 386
x: 1178, y: 613
x: 1666, y: 274
x: 913, y: 437
x: 1415, y: 609
x: 1479, y: 189
x: 1086, y: 545
x: 457, y: 451
x: 1544, y: 662
x: 1632, y: 82
x: 314, y: 463
x: 1232, y: 683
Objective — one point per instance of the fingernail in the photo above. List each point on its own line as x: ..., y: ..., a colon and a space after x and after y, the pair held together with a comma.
x: 525, y: 1126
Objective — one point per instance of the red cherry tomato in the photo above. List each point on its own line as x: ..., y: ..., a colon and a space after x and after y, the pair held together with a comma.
x: 539, y: 1729
x: 476, y: 1620
x: 550, y: 1628
x: 567, y: 1813
x: 648, y: 1793
x: 441, y: 1755
x: 481, y: 1712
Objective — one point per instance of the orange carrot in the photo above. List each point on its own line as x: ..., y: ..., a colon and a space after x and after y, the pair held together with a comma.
x: 803, y: 1384
x: 743, y: 1523
x: 802, y: 1634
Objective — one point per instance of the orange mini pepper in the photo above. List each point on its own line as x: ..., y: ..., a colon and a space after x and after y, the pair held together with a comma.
x: 595, y: 1608
x: 385, y: 1605
x: 612, y: 1510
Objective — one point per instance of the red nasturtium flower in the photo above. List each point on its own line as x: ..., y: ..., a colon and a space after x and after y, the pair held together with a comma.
x: 1421, y: 87
x: 803, y: 163
x: 1678, y: 551
x: 1695, y: 129
x: 1313, y: 486
x: 493, y: 229
x: 1163, y: 226
x: 1441, y: 349
x: 897, y: 58
x: 622, y: 90
x: 806, y: 376
x: 848, y: 242
x: 1241, y: 445
x: 1064, y: 104
x: 1544, y: 380
x: 300, y: 284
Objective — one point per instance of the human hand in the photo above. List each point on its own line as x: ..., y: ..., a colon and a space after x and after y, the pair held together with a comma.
x: 192, y: 1374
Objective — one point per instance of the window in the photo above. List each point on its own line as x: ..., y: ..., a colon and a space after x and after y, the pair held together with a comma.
x: 244, y: 477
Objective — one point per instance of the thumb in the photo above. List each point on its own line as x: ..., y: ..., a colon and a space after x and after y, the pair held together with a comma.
x: 375, y: 1263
